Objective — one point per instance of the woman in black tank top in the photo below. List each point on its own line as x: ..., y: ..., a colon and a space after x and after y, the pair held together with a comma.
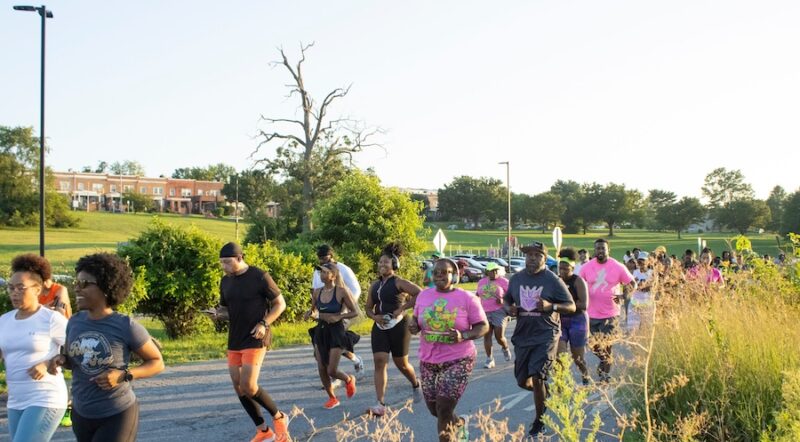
x: 574, y: 326
x: 389, y: 298
x: 330, y: 336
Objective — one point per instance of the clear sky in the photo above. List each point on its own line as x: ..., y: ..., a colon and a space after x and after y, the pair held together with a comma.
x: 649, y: 94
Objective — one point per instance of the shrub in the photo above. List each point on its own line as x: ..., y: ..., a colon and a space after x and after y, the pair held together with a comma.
x: 177, y: 273
x: 787, y: 428
x: 264, y: 228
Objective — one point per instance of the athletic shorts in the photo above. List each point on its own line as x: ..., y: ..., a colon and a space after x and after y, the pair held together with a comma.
x: 394, y: 340
x: 497, y: 318
x: 447, y: 379
x: 608, y: 327
x: 575, y: 329
x: 534, y: 361
x: 248, y: 356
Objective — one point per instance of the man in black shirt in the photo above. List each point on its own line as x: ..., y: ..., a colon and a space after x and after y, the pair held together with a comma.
x: 251, y: 301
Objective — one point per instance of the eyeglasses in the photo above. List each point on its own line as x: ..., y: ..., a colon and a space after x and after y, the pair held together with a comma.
x: 82, y: 283
x: 19, y: 288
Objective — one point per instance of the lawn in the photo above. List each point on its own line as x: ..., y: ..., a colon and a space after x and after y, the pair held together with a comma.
x: 98, y: 231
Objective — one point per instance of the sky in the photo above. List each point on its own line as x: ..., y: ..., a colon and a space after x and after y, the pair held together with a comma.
x: 644, y: 93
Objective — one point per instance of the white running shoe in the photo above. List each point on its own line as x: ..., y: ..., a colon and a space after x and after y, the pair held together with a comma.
x: 489, y: 363
x: 507, y: 354
x: 377, y: 410
x: 416, y: 393
x: 358, y: 364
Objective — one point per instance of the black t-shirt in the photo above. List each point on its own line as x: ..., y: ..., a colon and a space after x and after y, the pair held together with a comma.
x: 247, y: 297
x: 525, y: 290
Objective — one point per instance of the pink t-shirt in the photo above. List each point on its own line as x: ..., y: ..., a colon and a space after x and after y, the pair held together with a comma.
x: 603, y: 280
x: 491, y: 293
x: 713, y: 275
x: 437, y: 314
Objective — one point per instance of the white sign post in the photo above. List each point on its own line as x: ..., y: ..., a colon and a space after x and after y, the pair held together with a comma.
x: 557, y: 238
x: 439, y: 241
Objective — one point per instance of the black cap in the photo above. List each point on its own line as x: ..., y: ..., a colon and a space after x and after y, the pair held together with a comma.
x: 324, y: 250
x: 231, y: 250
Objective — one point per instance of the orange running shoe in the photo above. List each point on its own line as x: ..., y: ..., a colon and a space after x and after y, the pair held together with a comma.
x: 263, y: 436
x: 281, y: 428
x: 332, y: 403
x: 350, y: 387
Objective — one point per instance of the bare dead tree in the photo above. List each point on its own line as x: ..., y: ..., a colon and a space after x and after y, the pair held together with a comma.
x: 308, y: 146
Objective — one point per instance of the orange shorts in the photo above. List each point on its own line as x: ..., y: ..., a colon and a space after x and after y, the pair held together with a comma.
x: 248, y: 356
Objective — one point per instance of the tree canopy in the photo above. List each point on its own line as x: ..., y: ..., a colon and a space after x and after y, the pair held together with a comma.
x: 474, y: 199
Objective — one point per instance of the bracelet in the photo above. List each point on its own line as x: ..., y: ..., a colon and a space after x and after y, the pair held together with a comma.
x: 264, y: 323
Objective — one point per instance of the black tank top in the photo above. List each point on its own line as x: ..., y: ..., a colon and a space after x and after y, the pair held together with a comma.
x: 332, y: 306
x: 386, y: 295
x: 573, y: 291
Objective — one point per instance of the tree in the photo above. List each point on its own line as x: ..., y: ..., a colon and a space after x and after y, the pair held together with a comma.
x: 127, y: 167
x: 613, y: 204
x: 571, y: 194
x: 310, y: 147
x: 214, y: 172
x: 657, y: 199
x: 680, y: 215
x: 138, y: 202
x: 547, y: 209
x: 775, y: 201
x: 255, y: 189
x: 791, y: 214
x: 522, y: 209
x: 742, y: 214
x: 722, y: 186
x: 473, y: 199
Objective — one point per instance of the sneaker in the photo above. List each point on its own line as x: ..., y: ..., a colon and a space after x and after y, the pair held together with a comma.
x: 66, y: 421
x: 586, y: 380
x: 336, y: 383
x: 489, y: 363
x: 331, y: 404
x: 377, y: 410
x: 281, y: 428
x: 416, y: 394
x: 358, y: 364
x: 537, y: 428
x: 263, y: 436
x: 350, y: 387
x: 507, y: 354
x: 462, y: 435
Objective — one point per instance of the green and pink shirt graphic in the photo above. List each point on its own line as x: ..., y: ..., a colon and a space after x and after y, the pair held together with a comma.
x: 438, y: 313
x: 491, y: 293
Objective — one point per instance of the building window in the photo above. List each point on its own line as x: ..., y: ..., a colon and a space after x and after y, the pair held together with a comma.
x: 199, y: 192
x: 212, y: 192
x: 63, y: 185
x: 97, y: 187
x: 186, y: 192
x: 143, y: 190
x: 158, y: 191
x: 172, y: 192
x: 80, y: 186
x: 113, y: 188
x: 127, y: 188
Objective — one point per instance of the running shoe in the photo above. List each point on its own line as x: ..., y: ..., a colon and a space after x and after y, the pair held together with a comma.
x: 377, y: 410
x: 331, y: 404
x: 586, y: 380
x: 358, y: 364
x: 263, y: 436
x: 537, y: 428
x: 416, y: 394
x: 462, y: 435
x: 66, y: 421
x: 350, y: 387
x: 489, y: 363
x: 281, y: 428
x: 507, y: 354
x: 334, y: 384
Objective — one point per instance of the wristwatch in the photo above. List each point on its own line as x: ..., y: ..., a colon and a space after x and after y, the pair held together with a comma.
x: 128, y: 376
x: 555, y: 307
x: 264, y: 323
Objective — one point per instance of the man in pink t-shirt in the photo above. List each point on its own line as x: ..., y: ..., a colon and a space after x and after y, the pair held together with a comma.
x: 604, y: 275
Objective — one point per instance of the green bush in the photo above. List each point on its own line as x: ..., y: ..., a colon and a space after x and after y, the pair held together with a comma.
x: 264, y: 228
x: 787, y: 421
x: 177, y: 274
x: 290, y: 273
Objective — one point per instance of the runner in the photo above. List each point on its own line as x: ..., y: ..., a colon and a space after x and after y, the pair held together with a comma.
x: 427, y: 280
x: 534, y: 296
x: 389, y: 297
x: 583, y: 258
x: 251, y: 301
x: 704, y: 271
x: 324, y: 256
x: 491, y: 290
x: 603, y: 275
x: 98, y: 351
x: 29, y: 336
x: 640, y: 312
x: 574, y: 326
x: 449, y: 319
x: 332, y: 304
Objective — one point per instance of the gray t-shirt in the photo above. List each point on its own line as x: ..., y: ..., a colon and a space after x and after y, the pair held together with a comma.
x: 94, y: 346
x: 524, y: 290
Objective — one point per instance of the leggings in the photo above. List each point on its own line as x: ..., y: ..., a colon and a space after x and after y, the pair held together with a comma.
x: 120, y: 427
x: 33, y: 424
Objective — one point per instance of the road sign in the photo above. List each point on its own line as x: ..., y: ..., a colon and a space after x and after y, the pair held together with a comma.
x: 557, y: 238
x: 439, y: 241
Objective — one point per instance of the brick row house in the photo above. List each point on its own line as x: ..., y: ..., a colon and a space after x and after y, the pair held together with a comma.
x: 100, y: 191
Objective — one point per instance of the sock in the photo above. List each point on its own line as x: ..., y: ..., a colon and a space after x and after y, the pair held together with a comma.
x: 252, y: 410
x: 357, y: 359
x: 265, y: 401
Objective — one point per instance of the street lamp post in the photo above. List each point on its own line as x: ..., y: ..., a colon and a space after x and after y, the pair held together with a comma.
x: 236, y: 210
x: 508, y: 190
x: 45, y: 14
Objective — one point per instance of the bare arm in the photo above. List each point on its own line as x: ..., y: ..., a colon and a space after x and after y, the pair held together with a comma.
x: 62, y: 303
x: 583, y: 296
x: 371, y: 307
x: 412, y: 289
x: 310, y: 312
x: 152, y: 364
x: 276, y: 308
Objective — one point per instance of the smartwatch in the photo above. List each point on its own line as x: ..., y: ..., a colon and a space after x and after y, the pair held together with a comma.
x: 555, y: 308
x: 128, y: 376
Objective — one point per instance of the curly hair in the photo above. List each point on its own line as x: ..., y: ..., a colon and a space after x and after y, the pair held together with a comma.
x: 392, y: 249
x: 113, y: 274
x: 34, y: 264
x: 568, y: 253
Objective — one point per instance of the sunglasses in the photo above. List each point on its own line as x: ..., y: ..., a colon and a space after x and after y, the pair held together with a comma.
x: 83, y: 283
x: 19, y: 288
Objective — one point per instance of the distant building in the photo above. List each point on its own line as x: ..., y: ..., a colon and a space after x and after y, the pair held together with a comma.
x: 429, y: 197
x: 101, y: 191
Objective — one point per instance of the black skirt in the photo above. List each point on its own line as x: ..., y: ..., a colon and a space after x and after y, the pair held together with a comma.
x: 326, y: 336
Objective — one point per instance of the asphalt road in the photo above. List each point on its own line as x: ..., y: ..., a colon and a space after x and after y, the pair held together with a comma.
x: 196, y: 401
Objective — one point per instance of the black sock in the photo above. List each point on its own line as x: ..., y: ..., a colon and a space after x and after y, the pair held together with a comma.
x: 265, y: 401
x: 252, y: 410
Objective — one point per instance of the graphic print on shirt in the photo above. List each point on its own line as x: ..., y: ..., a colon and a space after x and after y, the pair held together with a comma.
x: 439, y: 320
x: 529, y: 297
x: 490, y: 290
x: 600, y: 283
x: 94, y: 350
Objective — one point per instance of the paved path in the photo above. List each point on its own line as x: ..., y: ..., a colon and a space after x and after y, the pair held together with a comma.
x: 196, y: 402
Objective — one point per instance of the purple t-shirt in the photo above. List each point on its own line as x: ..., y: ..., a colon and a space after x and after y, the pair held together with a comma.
x: 491, y: 293
x: 437, y: 314
x: 602, y: 281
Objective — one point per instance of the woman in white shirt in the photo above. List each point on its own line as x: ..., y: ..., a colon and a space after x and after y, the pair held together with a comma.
x: 29, y: 336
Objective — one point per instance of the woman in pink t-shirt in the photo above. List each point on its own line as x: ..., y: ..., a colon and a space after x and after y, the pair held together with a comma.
x: 704, y: 269
x: 490, y: 291
x: 449, y: 319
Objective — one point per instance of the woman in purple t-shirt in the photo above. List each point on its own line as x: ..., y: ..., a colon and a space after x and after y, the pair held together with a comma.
x: 449, y: 319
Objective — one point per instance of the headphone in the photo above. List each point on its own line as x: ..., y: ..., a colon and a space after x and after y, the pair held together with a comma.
x: 454, y: 278
x: 395, y: 262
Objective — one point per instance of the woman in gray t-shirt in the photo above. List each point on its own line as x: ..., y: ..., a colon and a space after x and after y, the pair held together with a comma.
x: 98, y: 349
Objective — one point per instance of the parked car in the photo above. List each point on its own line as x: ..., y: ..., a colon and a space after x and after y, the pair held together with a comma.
x: 468, y: 273
x: 465, y: 256
x: 500, y: 261
x: 517, y: 265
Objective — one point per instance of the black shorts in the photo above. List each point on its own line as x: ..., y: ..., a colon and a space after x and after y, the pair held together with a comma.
x: 606, y: 326
x: 534, y: 361
x: 395, y: 340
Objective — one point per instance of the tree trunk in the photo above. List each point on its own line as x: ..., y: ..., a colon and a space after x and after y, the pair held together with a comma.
x: 679, y: 233
x: 611, y: 229
x: 307, y: 206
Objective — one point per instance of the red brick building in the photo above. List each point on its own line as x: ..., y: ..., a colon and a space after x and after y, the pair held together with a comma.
x: 100, y: 191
